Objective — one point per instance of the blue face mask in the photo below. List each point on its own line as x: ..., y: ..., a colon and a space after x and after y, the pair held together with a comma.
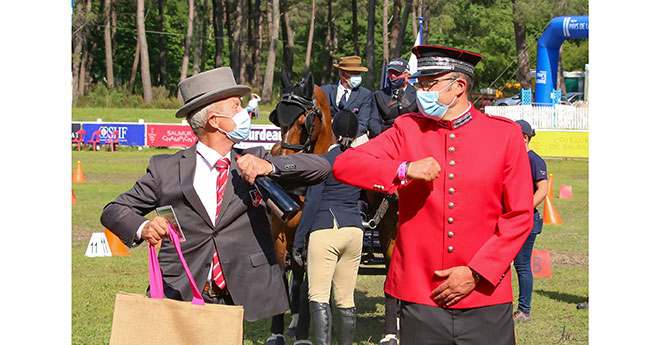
x: 429, y: 105
x: 243, y: 125
x: 354, y: 81
x: 397, y: 83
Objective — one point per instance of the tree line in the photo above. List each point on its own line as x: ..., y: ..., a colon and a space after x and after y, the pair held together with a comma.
x: 140, y: 46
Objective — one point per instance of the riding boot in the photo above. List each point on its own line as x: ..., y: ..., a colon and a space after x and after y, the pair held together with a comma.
x: 347, y: 321
x: 302, y: 329
x: 322, y: 316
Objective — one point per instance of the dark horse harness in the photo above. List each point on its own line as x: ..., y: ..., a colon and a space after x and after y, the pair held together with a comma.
x: 311, y: 112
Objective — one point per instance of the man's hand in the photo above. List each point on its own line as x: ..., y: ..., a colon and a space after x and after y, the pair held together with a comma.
x: 460, y: 282
x: 426, y: 169
x: 252, y: 166
x: 155, y: 230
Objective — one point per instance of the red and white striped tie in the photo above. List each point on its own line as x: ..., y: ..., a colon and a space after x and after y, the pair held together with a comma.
x: 223, y: 167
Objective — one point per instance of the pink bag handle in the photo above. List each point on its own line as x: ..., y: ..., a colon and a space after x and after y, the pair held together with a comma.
x: 156, y: 277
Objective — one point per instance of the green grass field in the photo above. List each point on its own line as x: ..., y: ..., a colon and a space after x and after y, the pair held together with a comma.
x: 95, y: 281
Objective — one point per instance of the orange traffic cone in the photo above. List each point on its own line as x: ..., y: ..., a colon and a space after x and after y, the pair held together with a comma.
x: 550, y: 188
x: 73, y: 197
x: 550, y: 214
x: 78, y: 176
x: 116, y: 246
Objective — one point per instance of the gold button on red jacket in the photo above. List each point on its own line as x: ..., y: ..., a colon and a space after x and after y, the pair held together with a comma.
x: 477, y: 213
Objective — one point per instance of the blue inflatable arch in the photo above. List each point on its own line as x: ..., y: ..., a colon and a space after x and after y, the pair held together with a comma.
x: 548, y: 45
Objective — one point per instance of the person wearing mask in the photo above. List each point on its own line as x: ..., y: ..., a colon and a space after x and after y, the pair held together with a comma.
x: 465, y: 206
x: 331, y: 220
x: 397, y: 98
x: 348, y: 94
x: 210, y: 187
x: 522, y: 262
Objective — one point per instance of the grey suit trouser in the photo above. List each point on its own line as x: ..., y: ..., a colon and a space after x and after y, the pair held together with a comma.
x: 427, y: 325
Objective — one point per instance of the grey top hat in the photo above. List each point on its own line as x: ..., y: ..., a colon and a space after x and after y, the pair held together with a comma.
x: 207, y: 87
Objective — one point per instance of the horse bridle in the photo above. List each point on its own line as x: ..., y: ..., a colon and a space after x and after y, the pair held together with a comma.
x: 311, y: 112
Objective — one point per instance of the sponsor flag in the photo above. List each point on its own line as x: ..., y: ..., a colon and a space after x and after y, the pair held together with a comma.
x: 412, y: 62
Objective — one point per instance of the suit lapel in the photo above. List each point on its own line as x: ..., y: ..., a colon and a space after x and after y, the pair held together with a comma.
x: 354, y: 95
x: 186, y: 175
x: 333, y: 95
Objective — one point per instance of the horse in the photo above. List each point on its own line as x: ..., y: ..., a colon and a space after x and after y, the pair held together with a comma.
x: 304, y: 117
x: 304, y: 129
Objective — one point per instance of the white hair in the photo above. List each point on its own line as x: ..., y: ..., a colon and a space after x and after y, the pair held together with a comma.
x: 197, y: 121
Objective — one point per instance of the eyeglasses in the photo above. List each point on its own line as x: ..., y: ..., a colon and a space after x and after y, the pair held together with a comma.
x: 429, y: 83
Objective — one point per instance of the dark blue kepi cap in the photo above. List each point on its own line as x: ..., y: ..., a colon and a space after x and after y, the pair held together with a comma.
x: 526, y: 128
x: 432, y: 60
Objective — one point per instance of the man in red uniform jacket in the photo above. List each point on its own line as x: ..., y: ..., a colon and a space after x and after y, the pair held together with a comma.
x: 465, y: 206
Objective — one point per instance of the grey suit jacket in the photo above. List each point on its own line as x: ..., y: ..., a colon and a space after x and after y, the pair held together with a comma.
x: 241, y: 234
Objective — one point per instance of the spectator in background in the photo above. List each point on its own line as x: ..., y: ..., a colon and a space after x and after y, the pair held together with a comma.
x: 348, y: 94
x: 332, y: 220
x: 522, y: 260
x: 465, y: 206
x: 397, y: 98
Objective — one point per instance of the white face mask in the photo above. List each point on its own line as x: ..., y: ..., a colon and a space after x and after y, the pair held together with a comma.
x: 243, y: 125
x: 354, y: 81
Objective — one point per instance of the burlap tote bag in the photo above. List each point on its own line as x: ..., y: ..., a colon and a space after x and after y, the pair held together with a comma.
x: 139, y: 319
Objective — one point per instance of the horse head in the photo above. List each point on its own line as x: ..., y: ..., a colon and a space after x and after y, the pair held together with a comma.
x: 303, y: 115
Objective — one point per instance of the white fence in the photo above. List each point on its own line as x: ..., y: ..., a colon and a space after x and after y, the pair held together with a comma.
x: 557, y: 117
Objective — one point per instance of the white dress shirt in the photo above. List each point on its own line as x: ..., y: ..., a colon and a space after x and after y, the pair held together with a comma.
x: 206, y: 177
x: 204, y: 181
x: 340, y: 93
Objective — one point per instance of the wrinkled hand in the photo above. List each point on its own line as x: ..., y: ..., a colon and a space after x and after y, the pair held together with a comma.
x: 252, y: 166
x: 154, y: 231
x: 426, y: 169
x: 458, y: 284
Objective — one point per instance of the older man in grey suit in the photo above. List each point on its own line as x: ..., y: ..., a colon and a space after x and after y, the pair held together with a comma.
x: 210, y: 187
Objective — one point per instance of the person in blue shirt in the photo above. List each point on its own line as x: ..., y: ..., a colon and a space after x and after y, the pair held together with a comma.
x: 522, y: 262
x: 332, y: 221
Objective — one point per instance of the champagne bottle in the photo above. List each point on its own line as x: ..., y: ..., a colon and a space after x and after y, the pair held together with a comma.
x: 276, y: 198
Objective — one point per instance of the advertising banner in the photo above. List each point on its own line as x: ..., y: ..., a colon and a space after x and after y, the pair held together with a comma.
x: 129, y: 134
x: 170, y: 135
x: 161, y: 135
x: 561, y: 144
x: 262, y: 135
x: 75, y: 126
